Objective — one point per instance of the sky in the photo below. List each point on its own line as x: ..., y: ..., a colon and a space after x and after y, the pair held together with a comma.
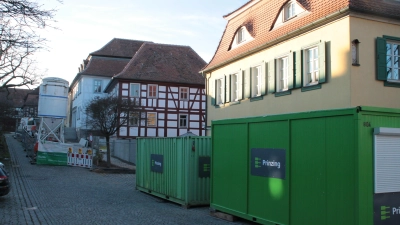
x: 84, y: 26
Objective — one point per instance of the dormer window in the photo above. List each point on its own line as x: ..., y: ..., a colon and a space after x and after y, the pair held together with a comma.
x: 290, y: 10
x: 241, y: 35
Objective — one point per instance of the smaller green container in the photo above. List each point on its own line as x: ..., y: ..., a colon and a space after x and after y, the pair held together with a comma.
x: 176, y: 169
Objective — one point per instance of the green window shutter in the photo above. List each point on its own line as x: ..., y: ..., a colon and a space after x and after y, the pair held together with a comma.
x: 227, y: 88
x: 246, y: 83
x: 291, y: 71
x: 298, y: 72
x: 264, y: 80
x: 271, y: 76
x: 381, y: 72
x: 322, y: 62
x: 213, y: 95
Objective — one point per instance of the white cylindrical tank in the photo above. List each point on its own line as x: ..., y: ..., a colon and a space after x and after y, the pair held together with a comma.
x: 53, y: 98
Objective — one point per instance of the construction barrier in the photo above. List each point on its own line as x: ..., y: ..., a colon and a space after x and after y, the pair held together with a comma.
x: 81, y: 160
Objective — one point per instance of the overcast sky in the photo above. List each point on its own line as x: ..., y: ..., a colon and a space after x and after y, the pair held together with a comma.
x: 87, y: 25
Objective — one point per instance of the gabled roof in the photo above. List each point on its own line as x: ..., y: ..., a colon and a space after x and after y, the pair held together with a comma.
x: 110, y: 59
x: 14, y: 96
x: 118, y: 47
x: 164, y: 63
x: 104, y: 66
x: 259, y: 16
x: 32, y: 98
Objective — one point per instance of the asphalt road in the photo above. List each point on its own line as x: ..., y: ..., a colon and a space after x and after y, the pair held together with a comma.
x: 73, y: 195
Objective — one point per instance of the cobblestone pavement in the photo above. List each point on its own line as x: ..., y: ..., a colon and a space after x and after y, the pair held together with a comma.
x: 73, y: 195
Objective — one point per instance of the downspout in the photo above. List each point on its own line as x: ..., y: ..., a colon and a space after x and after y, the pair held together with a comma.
x: 206, y: 109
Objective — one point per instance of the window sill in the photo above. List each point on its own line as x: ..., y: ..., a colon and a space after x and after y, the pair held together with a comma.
x: 355, y: 64
x: 391, y: 84
x: 311, y: 87
x: 283, y: 93
x: 257, y: 98
x: 234, y: 103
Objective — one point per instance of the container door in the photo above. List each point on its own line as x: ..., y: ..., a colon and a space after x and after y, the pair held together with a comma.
x: 268, y: 175
x: 387, y: 176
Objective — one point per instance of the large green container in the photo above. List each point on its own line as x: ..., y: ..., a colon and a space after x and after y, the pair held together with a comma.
x: 336, y: 167
x: 177, y: 169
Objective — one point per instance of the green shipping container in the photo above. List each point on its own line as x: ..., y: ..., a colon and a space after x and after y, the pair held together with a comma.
x: 336, y: 167
x: 177, y: 169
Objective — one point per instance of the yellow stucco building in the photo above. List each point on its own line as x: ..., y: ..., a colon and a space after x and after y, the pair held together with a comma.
x: 284, y: 56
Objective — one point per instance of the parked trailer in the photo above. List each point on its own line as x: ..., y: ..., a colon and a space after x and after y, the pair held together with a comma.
x: 176, y: 169
x: 324, y: 167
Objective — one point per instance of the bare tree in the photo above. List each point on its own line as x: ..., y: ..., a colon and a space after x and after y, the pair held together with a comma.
x: 20, y: 21
x: 108, y: 114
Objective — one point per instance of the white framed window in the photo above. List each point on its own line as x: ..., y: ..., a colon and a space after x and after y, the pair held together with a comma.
x: 392, y: 61
x: 134, y: 90
x: 235, y: 87
x: 289, y: 10
x: 311, y: 61
x: 282, y: 74
x: 241, y: 35
x: 220, y: 90
x: 256, y: 75
x: 152, y: 90
x: 183, y: 120
x: 151, y: 119
x: 97, y: 86
x: 184, y: 93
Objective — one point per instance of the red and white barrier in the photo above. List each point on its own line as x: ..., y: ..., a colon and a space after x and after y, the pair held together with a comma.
x: 81, y: 160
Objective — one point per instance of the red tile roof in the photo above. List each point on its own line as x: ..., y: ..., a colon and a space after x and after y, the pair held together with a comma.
x: 104, y: 66
x: 14, y: 96
x: 260, y: 17
x: 118, y: 47
x: 164, y: 63
x: 110, y: 59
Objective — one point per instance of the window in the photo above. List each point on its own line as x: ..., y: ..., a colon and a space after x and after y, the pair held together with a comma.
x: 78, y: 113
x: 183, y: 120
x: 392, y: 61
x: 282, y: 74
x: 241, y: 35
x: 97, y: 86
x: 311, y: 71
x: 151, y: 119
x: 134, y: 90
x: 219, y: 91
x: 184, y: 93
x: 235, y: 87
x: 134, y: 119
x: 256, y: 83
x: 290, y: 10
x: 311, y: 75
x: 152, y: 91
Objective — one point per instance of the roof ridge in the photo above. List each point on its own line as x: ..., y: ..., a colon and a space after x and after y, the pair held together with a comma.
x: 133, y: 58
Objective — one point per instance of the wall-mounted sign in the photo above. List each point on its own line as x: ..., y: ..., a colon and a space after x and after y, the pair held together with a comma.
x: 156, y: 163
x: 387, y: 208
x: 204, y: 166
x: 268, y: 162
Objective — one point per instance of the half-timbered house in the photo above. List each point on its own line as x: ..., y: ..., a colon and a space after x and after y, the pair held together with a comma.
x: 165, y: 80
x: 94, y: 74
